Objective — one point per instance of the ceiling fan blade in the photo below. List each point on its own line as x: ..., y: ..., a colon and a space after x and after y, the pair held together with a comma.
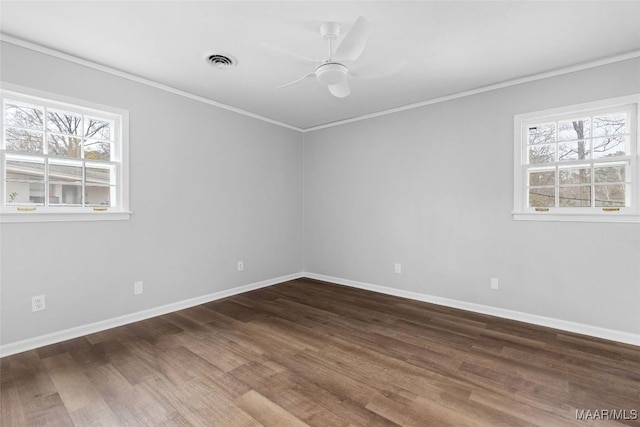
x: 340, y: 90
x: 376, y: 70
x: 281, y: 51
x: 355, y: 41
x: 297, y: 80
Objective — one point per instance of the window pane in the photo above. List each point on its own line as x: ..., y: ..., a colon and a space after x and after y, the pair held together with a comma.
x: 97, y: 150
x: 575, y: 196
x: 542, y: 197
x: 60, y: 155
x: 26, y: 170
x: 542, y: 133
x: 610, y: 124
x: 25, y: 141
x: 19, y: 193
x: 99, y: 174
x: 578, y: 150
x: 65, y: 194
x: 542, y: 154
x: 574, y: 129
x: 613, y: 173
x: 64, y: 122
x: 23, y: 116
x: 98, y: 196
x: 67, y: 146
x: 98, y: 129
x: 65, y: 172
x: 609, y: 147
x: 542, y: 177
x: 578, y: 175
x: 610, y: 195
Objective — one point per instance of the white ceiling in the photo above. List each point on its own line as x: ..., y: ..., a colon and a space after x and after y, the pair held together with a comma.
x: 450, y: 47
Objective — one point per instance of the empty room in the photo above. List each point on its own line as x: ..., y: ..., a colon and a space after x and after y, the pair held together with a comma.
x: 389, y: 213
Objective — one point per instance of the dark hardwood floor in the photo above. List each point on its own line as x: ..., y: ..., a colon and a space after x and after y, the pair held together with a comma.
x: 312, y: 353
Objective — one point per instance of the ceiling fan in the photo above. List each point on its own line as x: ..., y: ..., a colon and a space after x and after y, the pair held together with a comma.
x: 334, y: 70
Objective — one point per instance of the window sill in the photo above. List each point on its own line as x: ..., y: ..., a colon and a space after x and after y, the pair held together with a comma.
x: 12, y: 217
x: 572, y: 217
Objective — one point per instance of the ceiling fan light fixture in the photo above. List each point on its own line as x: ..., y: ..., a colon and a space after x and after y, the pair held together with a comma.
x: 331, y: 73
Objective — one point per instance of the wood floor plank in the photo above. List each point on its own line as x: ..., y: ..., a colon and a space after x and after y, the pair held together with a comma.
x: 70, y: 382
x: 285, y: 390
x: 29, y: 393
x: 46, y: 410
x: 95, y: 414
x: 183, y: 366
x: 130, y: 406
x: 339, y: 394
x: 220, y: 351
x: 267, y: 412
x: 527, y: 411
x: 404, y: 415
x: 132, y: 366
x: 12, y: 411
x: 305, y: 352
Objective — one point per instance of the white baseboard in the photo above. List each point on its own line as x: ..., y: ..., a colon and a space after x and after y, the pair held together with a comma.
x: 565, y: 325
x: 78, y: 331
x: 59, y: 336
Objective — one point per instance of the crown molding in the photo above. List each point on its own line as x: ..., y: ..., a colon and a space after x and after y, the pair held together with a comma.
x: 61, y: 55
x: 553, y: 73
x: 514, y: 82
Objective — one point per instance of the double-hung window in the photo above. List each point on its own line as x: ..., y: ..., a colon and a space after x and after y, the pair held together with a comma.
x: 578, y: 163
x: 62, y: 159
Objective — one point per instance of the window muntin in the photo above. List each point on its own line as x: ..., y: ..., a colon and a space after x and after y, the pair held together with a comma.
x: 61, y: 157
x: 580, y: 160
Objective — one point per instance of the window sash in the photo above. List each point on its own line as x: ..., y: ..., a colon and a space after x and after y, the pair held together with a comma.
x: 552, y: 118
x: 115, y: 191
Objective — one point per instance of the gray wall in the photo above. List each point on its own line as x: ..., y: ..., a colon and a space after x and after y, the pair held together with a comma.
x: 209, y: 187
x: 431, y: 188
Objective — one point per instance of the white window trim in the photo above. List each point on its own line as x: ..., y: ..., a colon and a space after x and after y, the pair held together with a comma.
x: 10, y: 214
x: 629, y: 214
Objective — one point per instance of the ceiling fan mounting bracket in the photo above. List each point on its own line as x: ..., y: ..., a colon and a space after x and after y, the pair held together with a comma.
x: 330, y: 30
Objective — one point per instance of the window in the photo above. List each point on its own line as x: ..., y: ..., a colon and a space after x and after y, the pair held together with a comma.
x: 578, y: 163
x: 62, y: 159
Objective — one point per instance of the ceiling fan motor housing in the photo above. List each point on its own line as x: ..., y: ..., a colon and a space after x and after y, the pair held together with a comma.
x: 331, y: 73
x: 330, y: 30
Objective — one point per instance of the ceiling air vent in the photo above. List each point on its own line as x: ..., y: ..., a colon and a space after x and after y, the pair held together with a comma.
x: 220, y: 61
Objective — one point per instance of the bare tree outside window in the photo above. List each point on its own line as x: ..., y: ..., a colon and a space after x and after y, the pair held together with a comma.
x: 66, y: 133
x: 571, y: 162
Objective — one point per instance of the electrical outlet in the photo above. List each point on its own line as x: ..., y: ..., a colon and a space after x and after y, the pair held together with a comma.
x: 38, y: 303
x: 495, y: 285
x: 138, y: 287
x: 240, y: 265
x: 398, y: 268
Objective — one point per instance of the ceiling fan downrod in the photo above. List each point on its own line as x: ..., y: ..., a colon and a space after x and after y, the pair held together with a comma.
x: 330, y: 32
